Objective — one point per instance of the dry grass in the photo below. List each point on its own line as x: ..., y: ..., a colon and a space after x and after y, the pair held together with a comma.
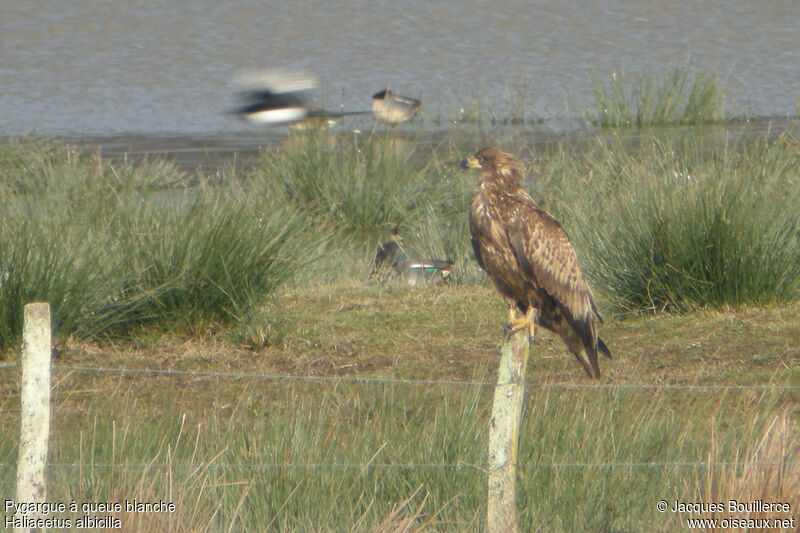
x: 453, y: 332
x: 200, y: 426
x: 187, y: 429
x: 769, y: 472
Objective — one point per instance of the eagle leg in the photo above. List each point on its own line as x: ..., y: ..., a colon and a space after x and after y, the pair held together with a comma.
x: 527, y: 321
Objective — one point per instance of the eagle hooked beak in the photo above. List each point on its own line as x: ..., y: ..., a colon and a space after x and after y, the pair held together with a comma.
x: 470, y: 162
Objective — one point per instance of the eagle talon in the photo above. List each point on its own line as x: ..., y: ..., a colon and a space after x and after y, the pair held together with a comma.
x: 521, y: 323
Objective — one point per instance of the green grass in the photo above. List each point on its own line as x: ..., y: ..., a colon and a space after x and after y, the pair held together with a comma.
x: 676, y: 224
x: 253, y: 454
x: 358, y: 184
x: 668, y: 222
x: 515, y: 108
x: 263, y: 271
x: 112, y: 247
x: 306, y: 458
x: 680, y: 97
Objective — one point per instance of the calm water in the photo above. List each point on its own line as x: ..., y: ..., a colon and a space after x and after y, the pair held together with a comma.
x: 155, y: 67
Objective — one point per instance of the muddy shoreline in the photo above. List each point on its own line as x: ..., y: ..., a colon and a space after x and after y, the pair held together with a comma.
x: 208, y: 152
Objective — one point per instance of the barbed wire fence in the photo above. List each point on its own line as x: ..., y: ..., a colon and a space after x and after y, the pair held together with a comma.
x: 369, y: 380
x: 383, y: 381
x: 35, y: 389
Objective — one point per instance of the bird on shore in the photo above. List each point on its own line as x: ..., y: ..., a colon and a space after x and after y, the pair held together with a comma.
x: 391, y: 108
x: 391, y: 259
x: 530, y: 259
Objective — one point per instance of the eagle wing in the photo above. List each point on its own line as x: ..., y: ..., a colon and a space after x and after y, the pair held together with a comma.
x: 546, y: 256
x: 476, y: 247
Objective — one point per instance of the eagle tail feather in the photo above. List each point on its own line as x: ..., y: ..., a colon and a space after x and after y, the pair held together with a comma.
x: 592, y: 353
x: 582, y: 360
x: 603, y: 348
x: 591, y: 344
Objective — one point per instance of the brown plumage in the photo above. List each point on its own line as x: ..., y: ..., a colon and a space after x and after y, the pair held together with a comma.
x: 530, y: 259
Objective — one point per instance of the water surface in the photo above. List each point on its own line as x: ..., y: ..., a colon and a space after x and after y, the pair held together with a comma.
x: 155, y: 67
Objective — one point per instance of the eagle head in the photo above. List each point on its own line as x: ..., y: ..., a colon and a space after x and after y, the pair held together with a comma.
x: 494, y: 162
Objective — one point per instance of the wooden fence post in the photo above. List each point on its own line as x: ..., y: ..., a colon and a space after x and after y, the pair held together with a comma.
x: 504, y: 434
x: 35, y: 393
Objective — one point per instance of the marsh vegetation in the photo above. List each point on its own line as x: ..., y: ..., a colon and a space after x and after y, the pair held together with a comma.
x: 202, y: 284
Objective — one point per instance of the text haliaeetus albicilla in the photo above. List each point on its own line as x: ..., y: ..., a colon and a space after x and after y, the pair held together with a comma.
x: 530, y: 259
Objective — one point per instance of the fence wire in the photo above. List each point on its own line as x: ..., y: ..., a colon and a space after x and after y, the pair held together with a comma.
x: 412, y: 382
x: 411, y: 466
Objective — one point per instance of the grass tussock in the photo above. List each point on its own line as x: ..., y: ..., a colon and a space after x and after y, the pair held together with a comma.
x: 359, y: 185
x: 676, y: 224
x: 679, y: 98
x: 115, y: 246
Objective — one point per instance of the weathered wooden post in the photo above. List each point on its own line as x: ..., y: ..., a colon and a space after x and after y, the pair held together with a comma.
x: 35, y: 393
x: 504, y: 433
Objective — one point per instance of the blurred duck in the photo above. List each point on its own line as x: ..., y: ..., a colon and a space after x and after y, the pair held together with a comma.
x: 392, y: 261
x: 391, y: 108
x: 276, y: 97
x: 283, y: 97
